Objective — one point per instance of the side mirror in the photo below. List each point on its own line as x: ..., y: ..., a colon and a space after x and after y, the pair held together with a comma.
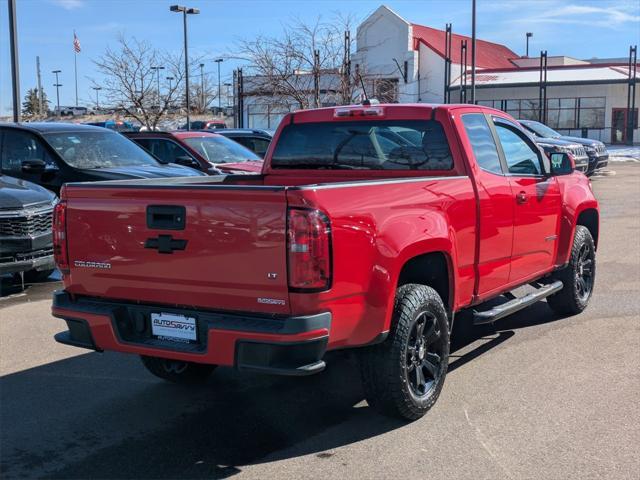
x: 33, y: 166
x: 187, y: 161
x: 561, y: 164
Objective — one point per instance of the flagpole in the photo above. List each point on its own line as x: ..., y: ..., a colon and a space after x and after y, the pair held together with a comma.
x: 75, y: 65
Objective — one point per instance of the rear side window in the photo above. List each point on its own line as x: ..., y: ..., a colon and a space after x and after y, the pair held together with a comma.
x: 364, y: 145
x: 482, y: 143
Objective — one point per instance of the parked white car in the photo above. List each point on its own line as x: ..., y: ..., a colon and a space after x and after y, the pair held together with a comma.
x: 72, y: 111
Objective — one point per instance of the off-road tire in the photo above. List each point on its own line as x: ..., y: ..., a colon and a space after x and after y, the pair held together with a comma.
x: 177, y: 371
x: 569, y: 300
x: 384, y: 367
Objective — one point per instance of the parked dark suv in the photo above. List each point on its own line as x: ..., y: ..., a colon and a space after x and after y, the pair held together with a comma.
x: 26, y: 211
x: 596, y: 150
x: 52, y: 154
x: 254, y: 139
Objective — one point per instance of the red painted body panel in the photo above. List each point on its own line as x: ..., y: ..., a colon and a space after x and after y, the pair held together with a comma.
x: 237, y: 250
x: 234, y: 239
x: 535, y: 226
x: 377, y: 228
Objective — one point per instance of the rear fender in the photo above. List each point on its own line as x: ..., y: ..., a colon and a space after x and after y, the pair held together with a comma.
x: 439, y: 241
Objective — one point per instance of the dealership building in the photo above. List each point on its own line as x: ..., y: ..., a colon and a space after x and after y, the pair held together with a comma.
x: 404, y: 62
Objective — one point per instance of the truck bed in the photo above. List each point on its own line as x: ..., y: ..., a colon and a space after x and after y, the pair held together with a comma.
x: 235, y: 258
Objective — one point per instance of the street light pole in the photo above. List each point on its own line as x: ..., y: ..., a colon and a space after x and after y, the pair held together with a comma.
x: 170, y: 91
x: 228, y: 85
x: 15, y: 75
x: 473, y: 51
x: 186, y: 11
x: 219, y: 61
x: 202, y: 86
x: 57, y: 85
x: 97, y: 89
x: 529, y: 35
x: 157, y: 69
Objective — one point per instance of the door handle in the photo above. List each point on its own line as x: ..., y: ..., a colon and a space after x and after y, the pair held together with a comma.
x: 521, y: 197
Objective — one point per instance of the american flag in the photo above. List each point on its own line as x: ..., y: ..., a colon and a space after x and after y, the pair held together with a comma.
x: 76, y: 43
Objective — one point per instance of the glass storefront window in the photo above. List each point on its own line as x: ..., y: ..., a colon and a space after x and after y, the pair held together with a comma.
x: 513, y: 105
x: 563, y: 113
x: 591, y: 118
x: 552, y: 118
x: 530, y: 104
x: 529, y: 114
x: 592, y: 102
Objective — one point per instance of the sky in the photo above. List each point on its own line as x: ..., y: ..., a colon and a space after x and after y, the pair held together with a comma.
x: 577, y: 28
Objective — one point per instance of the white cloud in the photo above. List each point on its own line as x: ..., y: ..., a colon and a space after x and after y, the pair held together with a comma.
x: 610, y: 17
x: 68, y: 4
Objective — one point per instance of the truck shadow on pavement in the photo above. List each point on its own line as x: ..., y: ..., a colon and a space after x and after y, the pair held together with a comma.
x: 103, y: 416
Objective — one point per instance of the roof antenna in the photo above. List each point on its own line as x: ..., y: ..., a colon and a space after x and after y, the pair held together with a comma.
x: 366, y: 97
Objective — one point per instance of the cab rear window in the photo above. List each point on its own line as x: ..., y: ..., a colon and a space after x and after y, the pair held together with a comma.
x: 366, y: 145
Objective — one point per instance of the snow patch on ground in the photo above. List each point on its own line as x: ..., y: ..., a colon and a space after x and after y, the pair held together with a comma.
x: 624, y: 153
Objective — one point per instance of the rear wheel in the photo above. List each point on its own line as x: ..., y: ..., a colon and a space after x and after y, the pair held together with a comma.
x: 578, y: 277
x: 177, y: 371
x: 403, y: 376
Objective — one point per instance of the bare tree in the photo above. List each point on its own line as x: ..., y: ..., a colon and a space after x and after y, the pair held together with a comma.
x: 202, y: 96
x: 129, y: 82
x: 306, y: 58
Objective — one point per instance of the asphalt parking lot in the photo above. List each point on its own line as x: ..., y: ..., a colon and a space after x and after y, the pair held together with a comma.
x: 533, y: 396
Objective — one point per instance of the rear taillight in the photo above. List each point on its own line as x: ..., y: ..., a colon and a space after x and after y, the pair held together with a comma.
x: 60, y: 253
x: 309, y: 249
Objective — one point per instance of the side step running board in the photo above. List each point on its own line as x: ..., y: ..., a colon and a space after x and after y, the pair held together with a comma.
x: 512, y: 306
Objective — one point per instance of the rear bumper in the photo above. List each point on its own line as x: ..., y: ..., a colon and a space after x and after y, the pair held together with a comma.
x: 270, y: 344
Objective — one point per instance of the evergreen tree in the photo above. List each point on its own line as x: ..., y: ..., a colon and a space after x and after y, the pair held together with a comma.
x: 31, y: 104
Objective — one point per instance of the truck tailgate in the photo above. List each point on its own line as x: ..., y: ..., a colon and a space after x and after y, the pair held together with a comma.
x: 229, y: 254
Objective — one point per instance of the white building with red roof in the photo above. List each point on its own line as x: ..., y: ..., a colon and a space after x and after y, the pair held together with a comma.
x: 403, y: 62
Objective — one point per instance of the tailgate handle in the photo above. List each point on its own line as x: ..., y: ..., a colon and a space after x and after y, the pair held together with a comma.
x: 166, y: 217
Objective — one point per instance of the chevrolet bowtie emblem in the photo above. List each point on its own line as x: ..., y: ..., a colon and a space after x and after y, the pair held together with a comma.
x: 165, y: 244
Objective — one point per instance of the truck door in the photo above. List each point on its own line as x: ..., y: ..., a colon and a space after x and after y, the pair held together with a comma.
x: 22, y: 148
x: 495, y: 201
x: 536, y: 202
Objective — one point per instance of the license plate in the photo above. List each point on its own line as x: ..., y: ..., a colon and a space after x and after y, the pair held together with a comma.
x: 169, y: 326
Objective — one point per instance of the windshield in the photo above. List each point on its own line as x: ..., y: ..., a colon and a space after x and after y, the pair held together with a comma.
x: 98, y: 149
x: 541, y: 130
x: 220, y: 149
x: 370, y: 144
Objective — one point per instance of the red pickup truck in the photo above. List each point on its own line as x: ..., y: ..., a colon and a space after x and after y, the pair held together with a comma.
x: 370, y: 226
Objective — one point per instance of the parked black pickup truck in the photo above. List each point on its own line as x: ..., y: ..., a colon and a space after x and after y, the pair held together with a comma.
x: 26, y: 243
x: 52, y: 154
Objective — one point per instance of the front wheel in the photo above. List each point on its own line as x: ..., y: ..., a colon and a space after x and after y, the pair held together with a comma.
x: 578, y: 277
x: 177, y: 371
x: 403, y: 376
